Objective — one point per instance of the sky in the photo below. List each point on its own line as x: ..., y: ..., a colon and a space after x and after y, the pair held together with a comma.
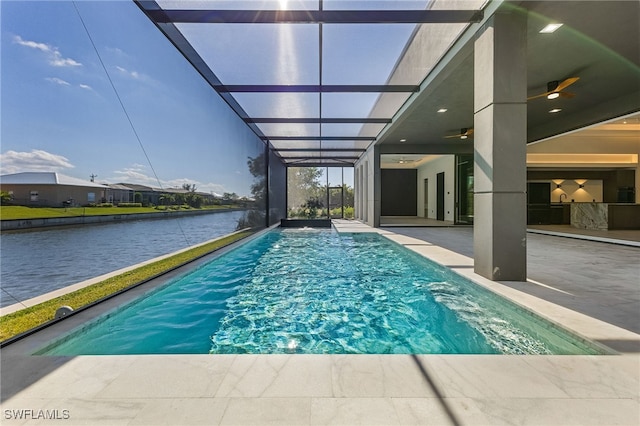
x: 94, y: 88
x: 60, y: 112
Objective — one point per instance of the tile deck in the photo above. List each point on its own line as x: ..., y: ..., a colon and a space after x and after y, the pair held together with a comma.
x: 332, y: 389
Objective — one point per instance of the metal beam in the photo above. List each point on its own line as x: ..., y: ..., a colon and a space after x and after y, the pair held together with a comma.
x: 315, y: 16
x: 320, y: 149
x: 309, y: 163
x: 316, y: 88
x: 321, y: 158
x: 319, y: 138
x: 428, y: 148
x: 318, y: 120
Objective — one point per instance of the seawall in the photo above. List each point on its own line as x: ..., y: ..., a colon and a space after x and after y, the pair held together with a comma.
x: 18, y: 224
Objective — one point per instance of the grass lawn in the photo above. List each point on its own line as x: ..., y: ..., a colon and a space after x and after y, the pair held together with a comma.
x: 29, y: 318
x: 20, y: 212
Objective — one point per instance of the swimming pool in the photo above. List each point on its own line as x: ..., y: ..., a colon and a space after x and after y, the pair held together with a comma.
x: 320, y: 292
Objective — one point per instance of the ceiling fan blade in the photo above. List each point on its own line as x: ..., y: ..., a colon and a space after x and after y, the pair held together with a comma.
x: 568, y: 82
x: 568, y: 95
x: 469, y: 132
x: 452, y: 136
x: 541, y: 95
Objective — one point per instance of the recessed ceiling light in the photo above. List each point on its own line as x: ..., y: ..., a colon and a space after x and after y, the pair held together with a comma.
x: 553, y: 111
x: 442, y: 110
x: 550, y: 28
x: 403, y: 140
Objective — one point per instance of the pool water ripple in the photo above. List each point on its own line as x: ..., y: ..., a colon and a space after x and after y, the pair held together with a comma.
x: 317, y: 291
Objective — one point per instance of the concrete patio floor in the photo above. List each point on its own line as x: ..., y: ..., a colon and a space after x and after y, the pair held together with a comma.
x: 365, y: 389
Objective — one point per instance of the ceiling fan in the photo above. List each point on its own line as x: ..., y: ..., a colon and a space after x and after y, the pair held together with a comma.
x: 555, y: 89
x: 402, y: 160
x: 464, y: 134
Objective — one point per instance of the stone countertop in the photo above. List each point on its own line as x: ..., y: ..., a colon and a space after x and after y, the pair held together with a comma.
x: 591, y: 202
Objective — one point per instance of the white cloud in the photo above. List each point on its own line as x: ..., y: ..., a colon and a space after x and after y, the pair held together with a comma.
x: 62, y: 82
x: 216, y: 188
x: 34, y: 161
x: 32, y: 44
x: 59, y: 61
x: 55, y: 57
x: 57, y: 80
x: 138, y: 167
x: 133, y: 74
x: 134, y: 175
x: 137, y: 174
x: 116, y: 50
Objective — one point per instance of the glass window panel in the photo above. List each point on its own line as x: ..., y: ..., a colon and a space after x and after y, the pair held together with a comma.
x: 345, y: 144
x: 335, y: 176
x: 348, y: 177
x: 240, y: 4
x: 293, y: 154
x: 295, y: 144
x: 351, y: 129
x: 314, y: 162
x: 319, y: 154
x: 327, y: 145
x: 374, y: 5
x: 349, y: 105
x: 290, y: 129
x: 306, y: 192
x: 362, y: 53
x: 279, y: 105
x: 257, y: 54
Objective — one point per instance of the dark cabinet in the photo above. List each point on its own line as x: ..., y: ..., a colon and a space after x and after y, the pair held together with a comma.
x: 538, y: 203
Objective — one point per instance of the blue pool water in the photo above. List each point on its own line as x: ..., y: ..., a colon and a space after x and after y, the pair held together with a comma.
x: 320, y: 292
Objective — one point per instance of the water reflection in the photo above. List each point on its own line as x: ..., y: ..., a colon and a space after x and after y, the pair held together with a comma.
x: 256, y: 216
x: 39, y: 261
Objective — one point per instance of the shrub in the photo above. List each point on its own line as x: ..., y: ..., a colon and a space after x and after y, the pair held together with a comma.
x: 5, y: 197
x: 130, y: 205
x: 99, y: 205
x: 349, y: 212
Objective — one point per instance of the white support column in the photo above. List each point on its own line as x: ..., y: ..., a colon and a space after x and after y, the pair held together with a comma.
x: 500, y: 132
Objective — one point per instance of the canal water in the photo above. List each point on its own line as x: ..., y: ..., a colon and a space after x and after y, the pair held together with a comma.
x: 36, y: 262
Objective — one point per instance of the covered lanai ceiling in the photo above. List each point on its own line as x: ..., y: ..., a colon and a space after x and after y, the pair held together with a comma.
x: 321, y: 81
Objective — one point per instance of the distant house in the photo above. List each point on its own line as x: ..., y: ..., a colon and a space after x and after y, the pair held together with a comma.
x: 120, y: 193
x: 51, y: 189
x: 148, y: 195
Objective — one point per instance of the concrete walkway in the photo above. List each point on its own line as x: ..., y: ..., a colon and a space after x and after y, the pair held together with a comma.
x: 342, y: 389
x: 597, y: 279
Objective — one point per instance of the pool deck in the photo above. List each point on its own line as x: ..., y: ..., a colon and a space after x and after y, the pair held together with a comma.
x: 369, y: 389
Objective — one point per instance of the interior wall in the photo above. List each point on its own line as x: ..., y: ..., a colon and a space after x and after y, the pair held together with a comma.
x: 398, y: 194
x: 592, y: 190
x: 610, y: 180
x: 598, y: 144
x: 445, y: 164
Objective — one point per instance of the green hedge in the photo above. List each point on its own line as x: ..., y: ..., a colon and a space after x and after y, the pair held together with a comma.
x: 99, y: 205
x: 130, y: 205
